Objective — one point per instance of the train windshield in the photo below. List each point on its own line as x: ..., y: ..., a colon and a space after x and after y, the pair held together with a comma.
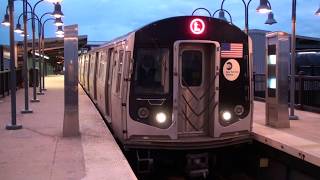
x: 151, y: 71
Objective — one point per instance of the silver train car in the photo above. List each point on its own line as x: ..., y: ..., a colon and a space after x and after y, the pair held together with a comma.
x: 177, y: 83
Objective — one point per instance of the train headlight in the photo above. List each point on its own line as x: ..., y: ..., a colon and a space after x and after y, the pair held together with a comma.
x: 143, y: 112
x: 239, y: 110
x: 226, y: 115
x: 161, y: 117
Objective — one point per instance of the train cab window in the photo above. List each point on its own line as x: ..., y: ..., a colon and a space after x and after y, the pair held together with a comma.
x: 151, y: 71
x: 191, y: 68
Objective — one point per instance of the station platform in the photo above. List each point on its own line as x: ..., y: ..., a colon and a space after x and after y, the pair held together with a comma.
x: 38, y: 151
x: 301, y: 140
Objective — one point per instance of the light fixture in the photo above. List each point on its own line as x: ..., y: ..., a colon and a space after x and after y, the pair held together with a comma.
x: 143, y: 112
x: 59, y: 30
x: 60, y: 35
x: 270, y: 19
x: 57, y: 13
x: 58, y: 22
x: 18, y: 29
x: 22, y: 34
x: 226, y: 115
x: 221, y: 15
x: 6, y: 21
x: 317, y: 13
x: 263, y: 7
x: 238, y: 110
x: 161, y: 117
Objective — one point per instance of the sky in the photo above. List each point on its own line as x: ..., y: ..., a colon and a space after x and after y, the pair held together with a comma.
x: 104, y: 20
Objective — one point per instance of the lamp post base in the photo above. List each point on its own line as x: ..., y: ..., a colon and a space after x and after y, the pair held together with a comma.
x: 13, y: 127
x: 35, y: 100
x: 44, y: 89
x: 40, y: 93
x: 294, y: 117
x: 26, y: 111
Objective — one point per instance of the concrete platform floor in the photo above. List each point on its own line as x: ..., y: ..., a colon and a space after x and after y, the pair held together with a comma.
x: 39, y: 152
x: 301, y: 140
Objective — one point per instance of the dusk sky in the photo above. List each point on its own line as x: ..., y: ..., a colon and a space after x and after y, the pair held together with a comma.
x: 103, y: 20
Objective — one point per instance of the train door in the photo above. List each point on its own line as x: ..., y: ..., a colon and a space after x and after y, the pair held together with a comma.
x: 88, y: 74
x: 196, y: 89
x: 112, y: 55
x: 100, y: 83
x: 107, y: 79
x: 92, y: 73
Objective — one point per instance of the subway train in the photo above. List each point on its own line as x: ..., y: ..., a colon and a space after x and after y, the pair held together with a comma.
x: 178, y: 83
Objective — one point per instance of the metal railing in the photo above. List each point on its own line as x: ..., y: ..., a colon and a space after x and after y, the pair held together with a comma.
x: 5, y: 81
x: 307, y: 91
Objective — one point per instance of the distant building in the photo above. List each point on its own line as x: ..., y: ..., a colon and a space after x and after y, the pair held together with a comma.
x: 305, y: 45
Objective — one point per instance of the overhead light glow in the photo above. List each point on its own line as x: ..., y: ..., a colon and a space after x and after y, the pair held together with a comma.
x: 60, y: 35
x: 264, y: 11
x: 310, y: 52
x: 44, y: 56
x: 272, y: 83
x: 22, y: 34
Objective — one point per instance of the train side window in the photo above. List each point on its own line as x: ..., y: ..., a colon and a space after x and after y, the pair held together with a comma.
x: 191, y: 68
x: 101, y: 67
x: 119, y: 71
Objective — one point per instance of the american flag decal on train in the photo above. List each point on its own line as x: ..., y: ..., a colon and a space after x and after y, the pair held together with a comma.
x: 231, y: 50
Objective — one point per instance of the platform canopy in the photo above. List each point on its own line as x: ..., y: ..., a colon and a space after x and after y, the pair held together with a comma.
x: 54, y: 47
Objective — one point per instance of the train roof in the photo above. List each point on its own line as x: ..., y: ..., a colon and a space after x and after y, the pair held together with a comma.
x: 175, y: 18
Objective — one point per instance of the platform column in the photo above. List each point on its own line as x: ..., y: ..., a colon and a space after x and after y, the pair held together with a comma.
x: 71, y: 101
x: 277, y: 59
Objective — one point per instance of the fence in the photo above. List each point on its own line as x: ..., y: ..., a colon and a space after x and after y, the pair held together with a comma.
x: 307, y: 91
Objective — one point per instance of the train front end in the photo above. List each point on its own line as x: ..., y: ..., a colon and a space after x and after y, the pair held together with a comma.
x: 190, y: 85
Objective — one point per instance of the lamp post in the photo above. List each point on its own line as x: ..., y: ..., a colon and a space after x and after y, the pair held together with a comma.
x: 13, y: 125
x: 9, y: 21
x: 57, y: 13
x: 292, y: 116
x: 264, y: 7
x: 293, y: 62
x: 25, y: 59
x: 59, y: 21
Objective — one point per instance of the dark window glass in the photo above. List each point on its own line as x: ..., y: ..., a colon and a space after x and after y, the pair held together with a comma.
x: 119, y: 72
x: 191, y: 68
x: 151, y: 71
